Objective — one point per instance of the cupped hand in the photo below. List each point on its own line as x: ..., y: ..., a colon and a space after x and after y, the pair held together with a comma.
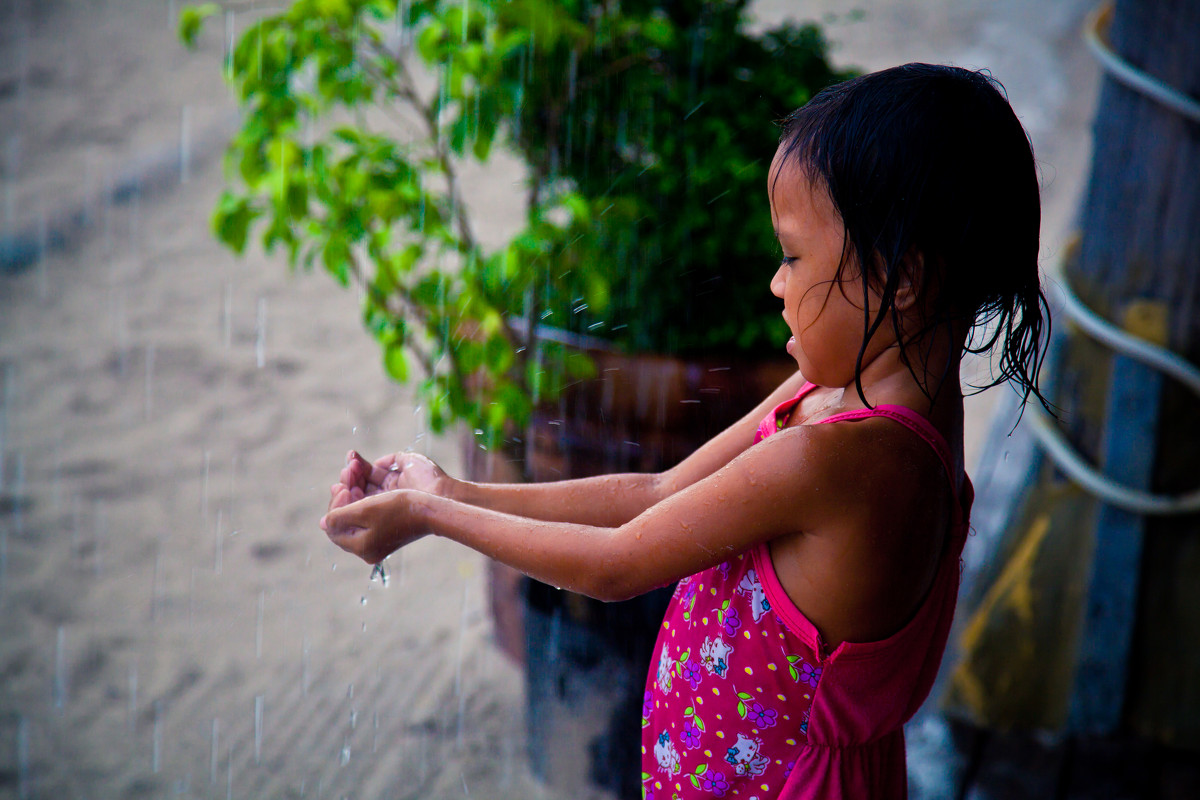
x: 409, y: 471
x: 361, y: 478
x: 375, y: 526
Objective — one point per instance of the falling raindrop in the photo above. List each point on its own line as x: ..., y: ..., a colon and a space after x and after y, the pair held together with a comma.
x: 133, y: 692
x: 100, y: 538
x: 204, y: 489
x: 150, y: 352
x: 344, y: 758
x: 305, y: 658
x: 260, y: 333
x: 258, y: 728
x: 217, y: 543
x: 229, y: 774
x: 458, y: 659
x: 213, y: 751
x: 120, y: 332
x: 229, y: 19
x: 378, y: 572
x: 23, y: 757
x: 18, y: 514
x: 157, y: 737
x: 43, y: 241
x: 185, y: 143
x: 5, y: 410
x: 258, y: 627
x: 3, y: 557
x: 227, y: 316
x: 60, y: 668
x: 154, y: 580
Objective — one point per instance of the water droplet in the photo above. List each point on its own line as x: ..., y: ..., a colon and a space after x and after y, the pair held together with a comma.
x: 258, y: 728
x: 185, y: 143
x: 60, y: 668
x: 258, y: 628
x: 213, y: 752
x: 23, y: 757
x: 260, y: 333
x: 133, y: 691
x: 156, y: 758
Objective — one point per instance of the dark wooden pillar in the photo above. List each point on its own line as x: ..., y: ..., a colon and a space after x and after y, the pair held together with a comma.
x: 1079, y: 616
x: 1141, y: 245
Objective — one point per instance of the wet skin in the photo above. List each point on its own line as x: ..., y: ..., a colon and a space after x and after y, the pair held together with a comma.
x: 855, y: 514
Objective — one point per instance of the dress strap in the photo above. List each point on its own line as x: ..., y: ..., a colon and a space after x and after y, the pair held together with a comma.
x: 770, y: 425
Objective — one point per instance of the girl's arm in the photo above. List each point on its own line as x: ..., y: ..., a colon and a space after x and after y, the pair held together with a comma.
x: 605, y: 501
x: 764, y: 493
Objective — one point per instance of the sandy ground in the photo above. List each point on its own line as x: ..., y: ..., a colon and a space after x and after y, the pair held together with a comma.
x: 172, y: 623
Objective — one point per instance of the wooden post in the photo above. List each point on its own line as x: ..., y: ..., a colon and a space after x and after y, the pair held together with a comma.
x: 1089, y: 619
x: 1101, y: 674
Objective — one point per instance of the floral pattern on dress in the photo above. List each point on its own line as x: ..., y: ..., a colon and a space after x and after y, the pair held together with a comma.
x: 714, y: 655
x: 728, y: 706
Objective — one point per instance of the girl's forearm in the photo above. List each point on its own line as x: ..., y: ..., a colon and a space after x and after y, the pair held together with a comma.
x: 582, y: 558
x: 606, y: 501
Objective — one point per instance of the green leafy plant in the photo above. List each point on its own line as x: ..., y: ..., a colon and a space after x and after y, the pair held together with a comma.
x: 644, y: 128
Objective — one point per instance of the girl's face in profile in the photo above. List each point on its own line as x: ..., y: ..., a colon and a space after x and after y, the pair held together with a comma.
x: 825, y: 317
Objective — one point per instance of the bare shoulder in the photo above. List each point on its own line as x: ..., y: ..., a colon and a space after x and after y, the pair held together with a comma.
x: 877, y: 507
x: 867, y: 463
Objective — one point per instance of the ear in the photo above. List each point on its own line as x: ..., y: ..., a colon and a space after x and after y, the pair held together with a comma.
x: 911, y: 279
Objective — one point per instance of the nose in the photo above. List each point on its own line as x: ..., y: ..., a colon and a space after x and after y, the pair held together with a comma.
x: 779, y: 282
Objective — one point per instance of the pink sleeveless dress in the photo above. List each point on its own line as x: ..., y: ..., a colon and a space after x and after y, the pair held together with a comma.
x: 743, y: 700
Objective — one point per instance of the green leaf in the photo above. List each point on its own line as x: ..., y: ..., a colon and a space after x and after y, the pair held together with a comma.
x: 577, y: 205
x: 700, y: 770
x: 498, y: 354
x: 579, y: 366
x: 336, y: 257
x: 396, y: 361
x: 231, y: 220
x: 191, y: 20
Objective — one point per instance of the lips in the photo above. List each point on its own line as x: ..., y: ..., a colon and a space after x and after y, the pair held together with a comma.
x: 791, y: 342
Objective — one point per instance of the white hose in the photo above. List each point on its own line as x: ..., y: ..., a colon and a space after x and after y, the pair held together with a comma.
x: 1130, y: 75
x: 1064, y: 454
x: 1048, y: 434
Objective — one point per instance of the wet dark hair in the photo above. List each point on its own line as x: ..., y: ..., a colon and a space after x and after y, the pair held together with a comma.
x: 931, y: 160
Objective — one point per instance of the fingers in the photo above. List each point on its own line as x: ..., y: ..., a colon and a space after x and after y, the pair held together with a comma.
x: 341, y: 524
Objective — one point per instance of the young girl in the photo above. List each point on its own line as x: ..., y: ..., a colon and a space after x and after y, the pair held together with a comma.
x: 816, y: 542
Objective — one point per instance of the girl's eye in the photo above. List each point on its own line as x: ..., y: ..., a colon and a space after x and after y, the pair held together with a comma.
x: 787, y: 261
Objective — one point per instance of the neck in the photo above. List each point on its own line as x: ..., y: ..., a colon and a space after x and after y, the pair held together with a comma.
x: 923, y: 376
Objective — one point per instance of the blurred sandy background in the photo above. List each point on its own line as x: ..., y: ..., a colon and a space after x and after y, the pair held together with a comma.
x: 172, y: 622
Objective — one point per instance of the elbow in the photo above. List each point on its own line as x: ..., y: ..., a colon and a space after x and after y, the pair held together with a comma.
x: 614, y: 580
